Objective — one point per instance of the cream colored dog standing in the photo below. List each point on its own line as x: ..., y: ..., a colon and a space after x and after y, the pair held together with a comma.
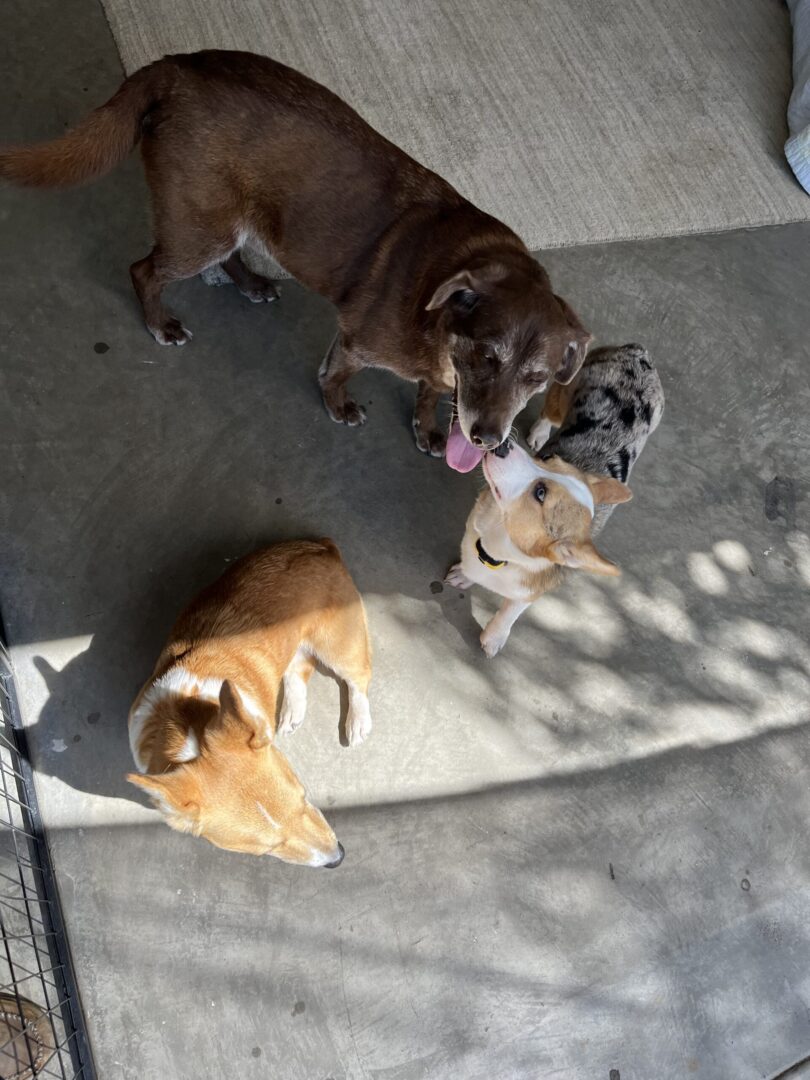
x: 532, y: 521
x: 202, y: 730
x: 538, y: 517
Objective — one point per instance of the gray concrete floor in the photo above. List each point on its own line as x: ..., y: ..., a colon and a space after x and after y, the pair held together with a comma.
x: 587, y: 855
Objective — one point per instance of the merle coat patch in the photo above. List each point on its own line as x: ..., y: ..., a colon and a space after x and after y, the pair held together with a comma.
x: 617, y: 405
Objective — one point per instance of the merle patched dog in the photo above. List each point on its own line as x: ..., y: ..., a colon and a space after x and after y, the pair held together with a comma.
x: 238, y: 148
x: 604, y: 417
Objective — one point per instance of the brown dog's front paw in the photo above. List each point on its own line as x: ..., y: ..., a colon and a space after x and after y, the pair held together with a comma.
x: 349, y: 413
x: 172, y: 332
x: 539, y: 434
x: 430, y: 442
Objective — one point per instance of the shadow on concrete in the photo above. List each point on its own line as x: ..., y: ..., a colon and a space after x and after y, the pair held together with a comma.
x: 615, y: 672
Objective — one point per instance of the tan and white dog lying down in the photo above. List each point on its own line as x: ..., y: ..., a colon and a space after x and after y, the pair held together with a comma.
x: 538, y: 517
x: 202, y: 730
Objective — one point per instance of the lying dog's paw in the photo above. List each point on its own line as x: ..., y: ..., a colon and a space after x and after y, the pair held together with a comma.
x: 430, y: 442
x: 538, y: 436
x: 455, y: 576
x: 293, y: 704
x: 265, y: 293
x: 172, y: 332
x: 358, y: 720
x: 492, y: 642
x: 288, y: 722
x: 291, y: 716
x: 349, y: 413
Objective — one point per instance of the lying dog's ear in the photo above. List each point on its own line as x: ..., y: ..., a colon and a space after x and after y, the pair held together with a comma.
x: 581, y: 556
x: 234, y: 714
x: 464, y: 289
x: 576, y: 348
x: 173, y: 791
x: 607, y: 490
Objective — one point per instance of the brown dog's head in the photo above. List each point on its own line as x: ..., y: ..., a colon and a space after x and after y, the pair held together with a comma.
x: 508, y: 336
x: 547, y: 507
x: 239, y: 791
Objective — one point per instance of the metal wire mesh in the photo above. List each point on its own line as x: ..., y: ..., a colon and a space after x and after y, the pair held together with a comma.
x: 41, y: 1026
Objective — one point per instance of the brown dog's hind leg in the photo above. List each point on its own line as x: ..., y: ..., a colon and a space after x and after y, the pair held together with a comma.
x: 429, y: 439
x: 185, y: 245
x: 258, y: 289
x: 148, y: 278
x: 337, y: 368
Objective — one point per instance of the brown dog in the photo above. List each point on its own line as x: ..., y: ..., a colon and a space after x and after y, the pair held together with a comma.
x: 238, y: 147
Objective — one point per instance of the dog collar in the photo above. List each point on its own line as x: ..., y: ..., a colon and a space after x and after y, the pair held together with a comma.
x: 575, y: 487
x: 486, y: 558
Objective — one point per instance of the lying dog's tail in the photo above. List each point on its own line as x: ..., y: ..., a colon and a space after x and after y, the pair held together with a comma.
x: 94, y: 146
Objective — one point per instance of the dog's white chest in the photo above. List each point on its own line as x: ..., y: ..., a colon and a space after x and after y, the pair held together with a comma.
x: 506, y: 580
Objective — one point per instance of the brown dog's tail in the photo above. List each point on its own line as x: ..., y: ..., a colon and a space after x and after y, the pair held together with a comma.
x: 94, y: 146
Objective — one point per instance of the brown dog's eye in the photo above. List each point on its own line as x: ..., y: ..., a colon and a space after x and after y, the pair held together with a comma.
x: 540, y: 492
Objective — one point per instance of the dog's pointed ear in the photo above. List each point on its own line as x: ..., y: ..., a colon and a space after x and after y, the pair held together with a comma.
x: 576, y: 348
x: 463, y: 290
x: 607, y: 490
x: 581, y: 556
x: 233, y: 712
x: 170, y: 791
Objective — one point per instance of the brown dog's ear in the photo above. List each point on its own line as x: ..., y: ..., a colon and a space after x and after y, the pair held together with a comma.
x: 607, y: 490
x: 232, y: 710
x: 172, y: 791
x: 573, y: 357
x: 576, y: 348
x: 465, y: 288
x: 581, y: 556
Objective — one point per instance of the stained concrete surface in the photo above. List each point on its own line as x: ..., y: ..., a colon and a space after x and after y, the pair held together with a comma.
x: 586, y: 855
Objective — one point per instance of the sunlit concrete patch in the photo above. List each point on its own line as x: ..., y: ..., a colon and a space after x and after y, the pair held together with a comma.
x: 732, y: 555
x: 706, y: 574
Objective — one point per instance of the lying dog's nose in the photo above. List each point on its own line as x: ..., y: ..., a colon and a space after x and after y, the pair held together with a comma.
x: 487, y: 440
x: 502, y: 450
x: 338, y: 860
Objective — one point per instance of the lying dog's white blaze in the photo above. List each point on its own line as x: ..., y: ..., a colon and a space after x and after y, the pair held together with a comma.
x: 189, y: 750
x: 268, y: 817
x: 317, y: 858
x: 179, y: 682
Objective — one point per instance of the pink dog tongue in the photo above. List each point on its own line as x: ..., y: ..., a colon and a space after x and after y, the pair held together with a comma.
x: 461, y: 455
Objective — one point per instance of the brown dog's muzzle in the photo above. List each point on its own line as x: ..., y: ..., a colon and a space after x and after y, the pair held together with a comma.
x: 485, y: 436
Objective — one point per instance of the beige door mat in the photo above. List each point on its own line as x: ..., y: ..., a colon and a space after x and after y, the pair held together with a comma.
x: 575, y: 122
